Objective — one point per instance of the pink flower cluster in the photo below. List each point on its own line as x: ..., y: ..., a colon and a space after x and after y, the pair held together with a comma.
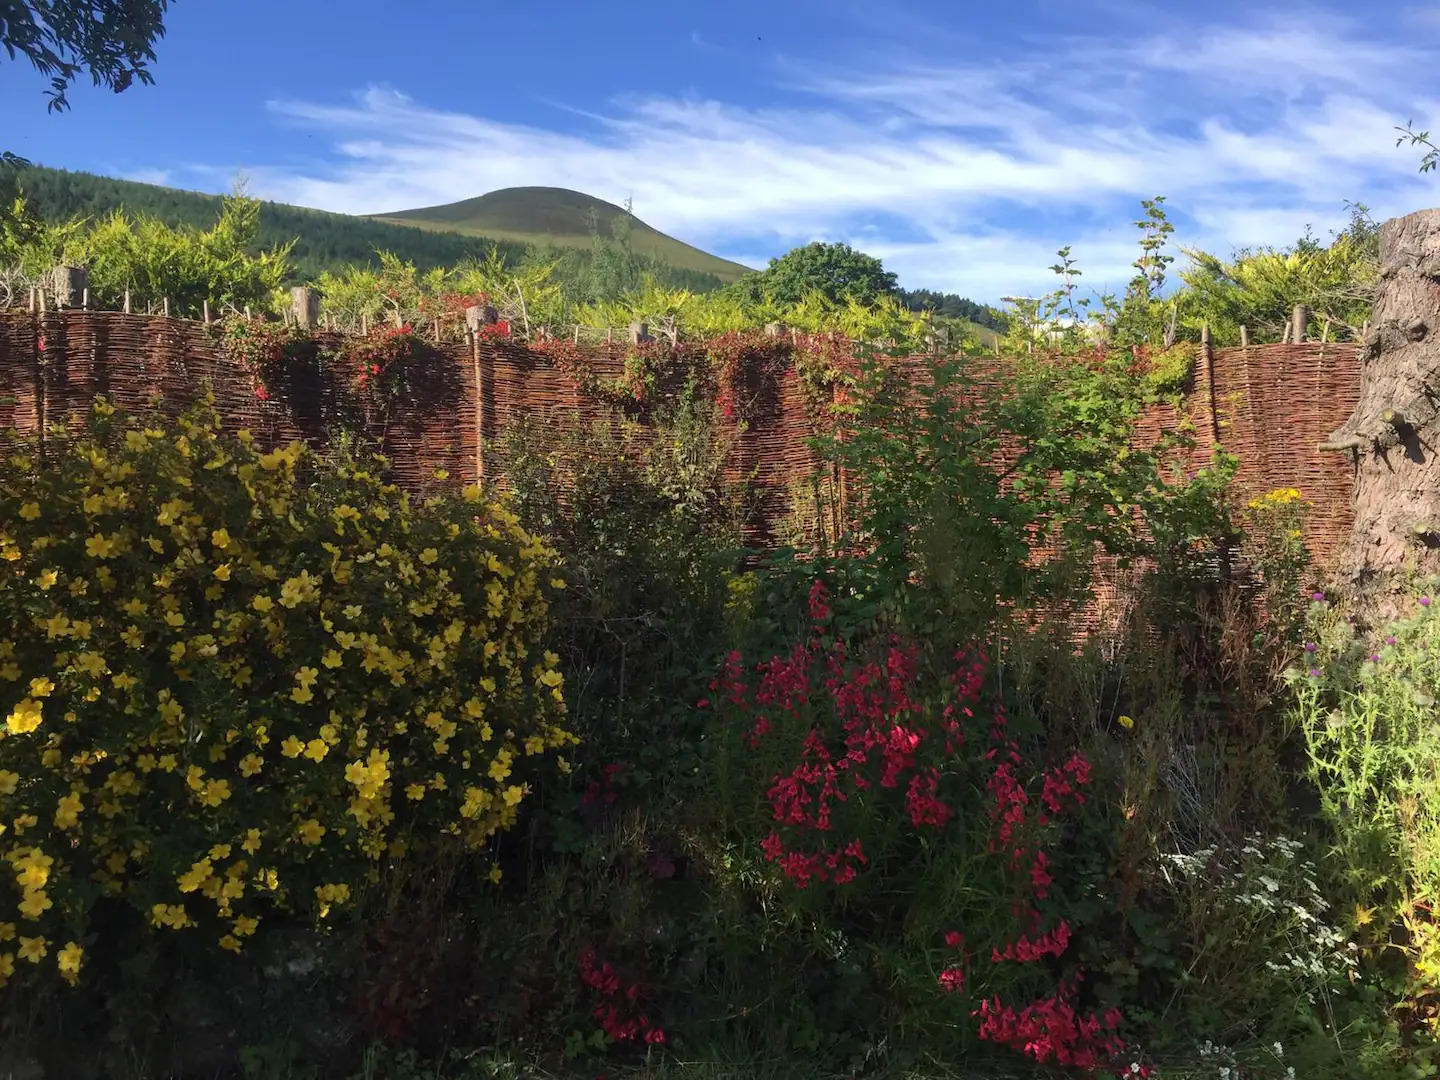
x: 602, y: 792
x: 1052, y: 1032
x: 619, y: 1014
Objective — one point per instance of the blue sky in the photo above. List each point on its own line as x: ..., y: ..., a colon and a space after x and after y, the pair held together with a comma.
x: 961, y: 142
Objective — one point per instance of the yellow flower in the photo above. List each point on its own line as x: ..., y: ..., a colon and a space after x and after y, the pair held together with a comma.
x: 222, y: 572
x: 98, y: 547
x: 8, y: 783
x: 316, y: 749
x: 332, y: 659
x: 251, y: 764
x: 310, y: 831
x: 245, y: 925
x: 428, y: 556
x: 500, y: 767
x: 513, y: 795
x: 33, y: 949
x: 251, y: 843
x: 302, y: 694
x: 229, y: 943
x: 67, y: 812
x: 41, y: 687
x: 24, y: 718
x: 35, y: 903
x: 47, y: 579
x: 215, y: 792
x: 495, y: 874
x: 1126, y: 722
x: 415, y: 791
x: 292, y: 747
x: 30, y: 511
x: 174, y: 618
x: 262, y: 604
x: 195, y: 877
x: 220, y: 538
x: 69, y: 960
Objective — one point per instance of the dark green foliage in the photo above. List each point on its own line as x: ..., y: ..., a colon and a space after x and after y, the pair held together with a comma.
x: 836, y: 271
x: 112, y: 40
x: 951, y: 306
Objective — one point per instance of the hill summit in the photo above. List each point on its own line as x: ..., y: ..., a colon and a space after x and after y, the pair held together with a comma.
x: 561, y: 217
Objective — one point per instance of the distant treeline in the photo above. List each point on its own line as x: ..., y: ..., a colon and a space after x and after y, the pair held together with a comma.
x: 323, y: 241
x: 955, y: 307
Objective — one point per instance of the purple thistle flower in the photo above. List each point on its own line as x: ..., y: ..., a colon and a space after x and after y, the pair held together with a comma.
x: 1315, y: 673
x: 1310, y: 646
x: 1424, y: 601
x: 1318, y: 597
x: 1390, y: 640
x: 1374, y: 657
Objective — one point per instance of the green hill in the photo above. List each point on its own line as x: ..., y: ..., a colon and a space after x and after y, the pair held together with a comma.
x: 564, y: 218
x: 329, y: 241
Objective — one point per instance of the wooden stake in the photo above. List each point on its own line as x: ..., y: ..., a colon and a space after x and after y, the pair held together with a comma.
x: 32, y: 299
x: 247, y: 313
x: 165, y: 306
x: 1244, y: 337
x: 364, y: 324
x: 127, y: 301
x: 479, y: 411
x: 1298, y: 319
x: 205, y: 311
x: 85, y: 300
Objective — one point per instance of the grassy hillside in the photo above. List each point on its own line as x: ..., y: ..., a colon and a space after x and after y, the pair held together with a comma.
x: 565, y: 218
x: 325, y: 241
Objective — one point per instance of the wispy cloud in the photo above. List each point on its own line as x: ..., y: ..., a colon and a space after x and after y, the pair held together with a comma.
x: 964, y: 177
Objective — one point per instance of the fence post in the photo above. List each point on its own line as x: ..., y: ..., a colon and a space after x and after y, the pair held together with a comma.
x: 479, y: 316
x: 475, y: 318
x: 639, y: 331
x: 1244, y: 338
x: 1298, y: 318
x: 70, y: 283
x: 305, y: 303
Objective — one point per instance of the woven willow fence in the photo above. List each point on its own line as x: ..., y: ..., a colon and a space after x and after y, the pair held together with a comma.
x: 1271, y: 405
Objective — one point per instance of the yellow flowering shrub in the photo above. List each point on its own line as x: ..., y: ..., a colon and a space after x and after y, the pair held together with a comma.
x: 233, y: 682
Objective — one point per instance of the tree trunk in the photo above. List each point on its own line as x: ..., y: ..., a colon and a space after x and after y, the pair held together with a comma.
x: 1392, y: 436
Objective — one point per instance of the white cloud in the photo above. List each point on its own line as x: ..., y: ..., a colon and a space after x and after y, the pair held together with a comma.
x: 148, y: 176
x: 966, y: 177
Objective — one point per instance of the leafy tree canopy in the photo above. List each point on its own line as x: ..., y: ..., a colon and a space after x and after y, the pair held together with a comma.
x: 837, y: 272
x: 111, y: 39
